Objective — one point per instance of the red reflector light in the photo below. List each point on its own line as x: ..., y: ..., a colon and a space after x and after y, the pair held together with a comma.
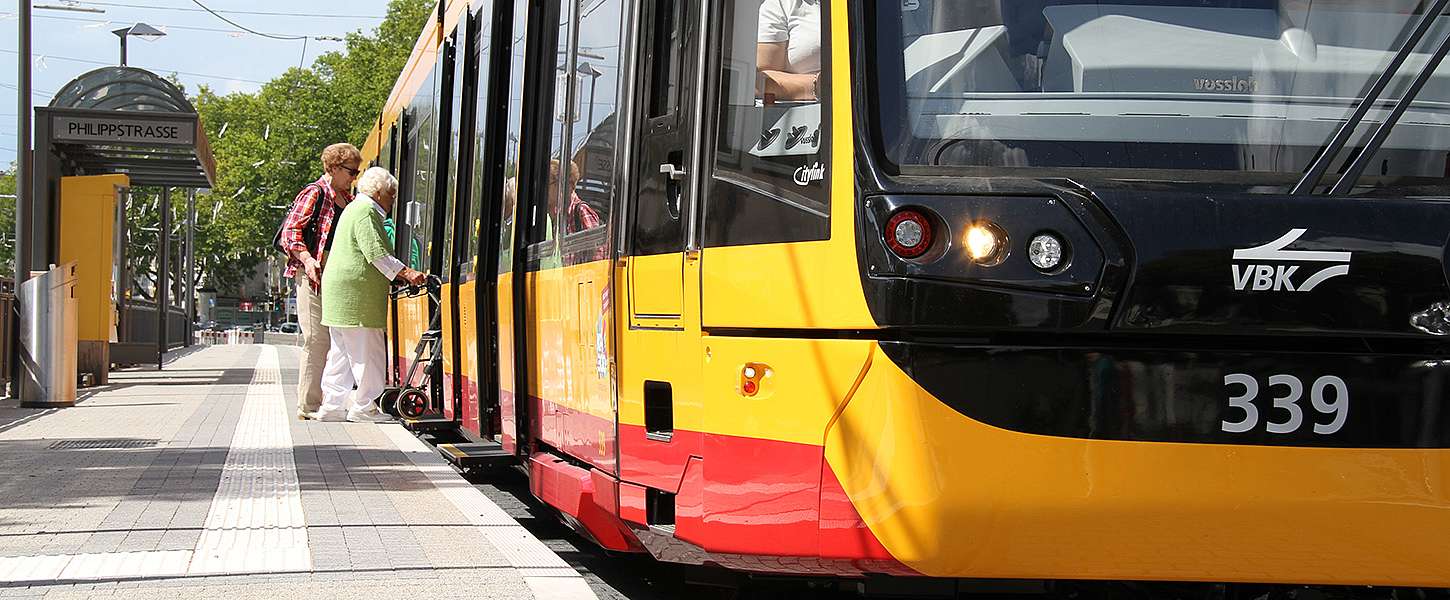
x: 749, y: 387
x: 908, y: 233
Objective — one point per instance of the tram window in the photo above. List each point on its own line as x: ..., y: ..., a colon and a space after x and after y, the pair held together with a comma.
x: 1156, y: 89
x: 592, y: 142
x: 483, y: 50
x: 457, y: 63
x: 419, y: 213
x: 657, y: 200
x: 385, y: 154
x: 515, y: 129
x: 770, y: 178
x: 424, y: 144
x: 548, y: 216
x: 403, y: 153
x: 663, y: 46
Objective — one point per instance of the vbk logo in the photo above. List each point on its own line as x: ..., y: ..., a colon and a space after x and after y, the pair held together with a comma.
x: 1258, y: 277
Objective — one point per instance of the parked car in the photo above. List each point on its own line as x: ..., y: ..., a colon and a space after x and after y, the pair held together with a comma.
x: 290, y: 327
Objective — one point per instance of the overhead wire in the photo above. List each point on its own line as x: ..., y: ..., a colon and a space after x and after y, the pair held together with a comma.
x: 244, y: 27
x: 104, y: 63
x: 108, y: 21
x: 234, y: 12
x: 16, y: 87
x: 302, y: 62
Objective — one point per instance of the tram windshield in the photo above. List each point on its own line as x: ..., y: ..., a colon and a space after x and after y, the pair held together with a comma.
x: 1192, y: 87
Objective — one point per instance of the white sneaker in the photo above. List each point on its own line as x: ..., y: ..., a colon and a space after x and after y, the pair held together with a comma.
x: 373, y: 416
x: 330, y: 417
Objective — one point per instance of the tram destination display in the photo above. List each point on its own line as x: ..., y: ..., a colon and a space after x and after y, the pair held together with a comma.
x: 121, y: 130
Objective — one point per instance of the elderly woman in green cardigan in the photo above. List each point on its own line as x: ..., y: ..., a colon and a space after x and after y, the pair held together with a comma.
x: 355, y: 302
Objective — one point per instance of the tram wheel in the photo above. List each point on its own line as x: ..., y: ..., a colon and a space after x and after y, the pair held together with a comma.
x: 388, y: 401
x: 412, y: 403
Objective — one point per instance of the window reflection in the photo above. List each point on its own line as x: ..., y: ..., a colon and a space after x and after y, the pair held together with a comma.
x: 589, y: 178
x: 1237, y: 85
x: 770, y: 172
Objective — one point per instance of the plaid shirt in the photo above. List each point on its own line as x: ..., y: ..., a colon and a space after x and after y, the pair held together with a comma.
x: 582, y: 217
x: 315, y: 200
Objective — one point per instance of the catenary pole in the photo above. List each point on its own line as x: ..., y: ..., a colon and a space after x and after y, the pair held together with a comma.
x: 21, y: 252
x: 189, y: 272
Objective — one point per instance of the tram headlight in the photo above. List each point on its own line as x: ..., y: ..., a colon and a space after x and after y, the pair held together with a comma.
x: 1046, y: 251
x: 986, y: 243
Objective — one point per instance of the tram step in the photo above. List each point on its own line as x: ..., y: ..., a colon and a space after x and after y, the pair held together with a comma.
x: 429, y: 424
x: 475, y: 456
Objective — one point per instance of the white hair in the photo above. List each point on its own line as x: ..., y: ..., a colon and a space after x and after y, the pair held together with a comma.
x: 375, y: 180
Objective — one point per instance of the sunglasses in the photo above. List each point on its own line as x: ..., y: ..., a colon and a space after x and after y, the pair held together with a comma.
x: 350, y: 171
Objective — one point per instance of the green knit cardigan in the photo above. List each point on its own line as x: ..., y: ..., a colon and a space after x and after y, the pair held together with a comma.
x: 354, y: 293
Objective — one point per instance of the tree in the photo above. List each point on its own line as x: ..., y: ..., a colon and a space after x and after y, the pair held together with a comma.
x: 268, y: 144
x: 7, y: 222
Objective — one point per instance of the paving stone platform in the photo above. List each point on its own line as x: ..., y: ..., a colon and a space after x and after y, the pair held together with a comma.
x: 197, y: 482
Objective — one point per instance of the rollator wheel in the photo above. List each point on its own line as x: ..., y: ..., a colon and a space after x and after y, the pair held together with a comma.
x: 388, y: 401
x: 412, y: 403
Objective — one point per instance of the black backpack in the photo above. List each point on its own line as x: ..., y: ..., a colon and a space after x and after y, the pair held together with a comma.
x: 309, y: 231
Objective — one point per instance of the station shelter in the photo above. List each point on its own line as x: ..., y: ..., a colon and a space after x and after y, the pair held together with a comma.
x: 114, y: 144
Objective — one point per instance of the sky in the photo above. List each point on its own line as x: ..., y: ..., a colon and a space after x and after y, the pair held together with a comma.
x: 199, y: 47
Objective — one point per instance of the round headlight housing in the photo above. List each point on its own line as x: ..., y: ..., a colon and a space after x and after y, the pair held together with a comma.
x: 908, y: 233
x: 1046, y: 251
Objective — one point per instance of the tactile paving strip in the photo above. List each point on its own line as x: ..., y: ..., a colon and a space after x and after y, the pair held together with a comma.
x: 256, y: 522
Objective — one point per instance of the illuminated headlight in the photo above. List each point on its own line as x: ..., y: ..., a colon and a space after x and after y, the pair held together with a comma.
x: 986, y: 243
x: 1045, y: 251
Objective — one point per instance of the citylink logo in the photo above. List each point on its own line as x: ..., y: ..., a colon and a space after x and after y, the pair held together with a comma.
x: 1231, y: 84
x: 1257, y: 277
x: 805, y: 175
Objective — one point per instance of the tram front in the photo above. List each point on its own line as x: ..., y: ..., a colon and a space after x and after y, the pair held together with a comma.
x: 1168, y: 285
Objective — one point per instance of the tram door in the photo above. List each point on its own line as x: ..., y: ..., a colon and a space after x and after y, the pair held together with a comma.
x: 479, y: 217
x: 516, y: 37
x: 449, y: 198
x: 660, y: 415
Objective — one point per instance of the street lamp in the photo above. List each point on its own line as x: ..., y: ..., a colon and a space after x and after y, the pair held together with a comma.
x: 69, y: 6
x: 585, y: 68
x: 140, y: 30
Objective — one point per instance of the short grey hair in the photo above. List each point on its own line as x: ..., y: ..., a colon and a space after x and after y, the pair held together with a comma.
x: 375, y: 180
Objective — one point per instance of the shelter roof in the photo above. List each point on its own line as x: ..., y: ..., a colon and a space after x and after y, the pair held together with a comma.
x: 128, y: 120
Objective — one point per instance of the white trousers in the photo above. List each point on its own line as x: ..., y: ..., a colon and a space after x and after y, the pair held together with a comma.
x: 358, y: 357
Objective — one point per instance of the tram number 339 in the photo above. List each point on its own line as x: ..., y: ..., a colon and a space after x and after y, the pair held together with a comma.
x: 1328, y: 395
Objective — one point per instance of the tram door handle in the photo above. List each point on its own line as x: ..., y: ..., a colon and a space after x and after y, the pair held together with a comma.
x: 674, y: 174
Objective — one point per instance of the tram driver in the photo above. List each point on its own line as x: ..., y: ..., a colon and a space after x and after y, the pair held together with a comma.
x: 788, y: 49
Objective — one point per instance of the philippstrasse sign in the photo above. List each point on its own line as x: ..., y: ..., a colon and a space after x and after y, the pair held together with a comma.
x: 121, y: 130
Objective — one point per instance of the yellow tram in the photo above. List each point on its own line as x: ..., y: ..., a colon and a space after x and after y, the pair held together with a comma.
x: 981, y: 289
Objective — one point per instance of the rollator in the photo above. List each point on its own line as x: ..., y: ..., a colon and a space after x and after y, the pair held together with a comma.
x: 411, y: 399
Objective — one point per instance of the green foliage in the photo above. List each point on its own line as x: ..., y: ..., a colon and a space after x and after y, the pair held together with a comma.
x: 268, y: 144
x: 7, y: 223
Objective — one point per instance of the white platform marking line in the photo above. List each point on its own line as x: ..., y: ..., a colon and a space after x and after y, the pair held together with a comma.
x: 547, y: 575
x: 256, y: 522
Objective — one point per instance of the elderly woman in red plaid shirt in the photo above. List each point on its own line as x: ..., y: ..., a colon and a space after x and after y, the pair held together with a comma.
x: 306, y: 234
